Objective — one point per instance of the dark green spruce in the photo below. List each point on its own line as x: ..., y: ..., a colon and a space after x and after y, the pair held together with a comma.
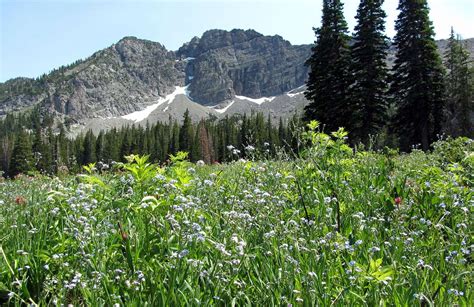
x: 417, y: 85
x: 327, y: 85
x: 368, y: 92
x: 21, y: 159
x: 186, y: 134
x: 459, y: 89
x: 208, y: 140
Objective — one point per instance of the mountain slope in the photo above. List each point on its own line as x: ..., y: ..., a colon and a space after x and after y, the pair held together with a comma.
x: 136, y: 81
x: 122, y: 78
x: 134, y: 74
x: 244, y: 63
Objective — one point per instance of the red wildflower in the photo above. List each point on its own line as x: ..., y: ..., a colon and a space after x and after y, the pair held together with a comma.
x: 20, y: 200
x: 123, y: 234
x: 398, y: 200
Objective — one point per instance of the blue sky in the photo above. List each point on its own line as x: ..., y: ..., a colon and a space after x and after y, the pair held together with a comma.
x: 39, y: 35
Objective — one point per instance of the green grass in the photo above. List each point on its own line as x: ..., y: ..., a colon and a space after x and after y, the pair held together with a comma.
x: 321, y: 229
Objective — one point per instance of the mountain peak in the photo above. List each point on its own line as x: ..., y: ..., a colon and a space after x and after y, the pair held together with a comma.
x: 134, y: 41
x: 238, y: 68
x: 216, y: 39
x: 235, y: 34
x: 242, y: 62
x: 129, y: 38
x: 135, y: 73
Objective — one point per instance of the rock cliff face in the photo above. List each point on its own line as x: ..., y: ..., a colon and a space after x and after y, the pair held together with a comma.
x: 243, y: 63
x: 116, y: 80
x: 135, y: 73
x: 223, y: 72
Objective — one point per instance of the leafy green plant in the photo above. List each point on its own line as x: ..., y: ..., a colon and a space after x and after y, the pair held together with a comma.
x: 179, y: 169
x: 331, y: 226
x: 141, y: 170
x: 452, y: 150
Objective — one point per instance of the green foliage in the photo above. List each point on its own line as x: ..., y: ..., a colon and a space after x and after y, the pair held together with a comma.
x: 329, y: 77
x: 453, y: 150
x: 332, y: 226
x: 207, y: 140
x: 322, y: 145
x: 139, y: 167
x: 457, y: 156
x: 21, y: 161
x: 368, y: 94
x: 460, y: 89
x: 417, y: 84
x: 186, y: 133
x: 179, y: 169
x: 141, y: 171
x: 91, y: 177
x: 378, y: 273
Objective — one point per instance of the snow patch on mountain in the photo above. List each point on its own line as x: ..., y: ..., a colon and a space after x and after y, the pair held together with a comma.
x: 258, y: 101
x: 292, y: 93
x: 180, y: 90
x: 223, y: 110
x: 138, y: 116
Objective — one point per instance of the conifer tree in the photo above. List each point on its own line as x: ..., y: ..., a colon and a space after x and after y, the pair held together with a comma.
x: 51, y: 154
x: 126, y: 146
x: 78, y: 149
x: 186, y: 135
x: 3, y: 169
x: 368, y: 94
x: 258, y: 131
x: 175, y: 141
x: 100, y: 146
x: 231, y: 132
x: 204, y: 143
x: 110, y: 145
x: 63, y: 148
x: 196, y: 150
x: 328, y: 81
x: 135, y: 140
x: 21, y: 161
x: 244, y: 133
x: 89, y: 148
x: 38, y: 149
x: 459, y: 89
x: 147, y: 140
x: 5, y: 154
x: 282, y: 133
x: 163, y: 138
x: 417, y: 85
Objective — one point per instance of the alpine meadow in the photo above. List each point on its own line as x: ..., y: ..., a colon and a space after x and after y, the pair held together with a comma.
x: 242, y: 169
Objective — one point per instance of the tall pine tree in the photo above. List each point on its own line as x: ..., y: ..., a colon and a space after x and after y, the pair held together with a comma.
x: 186, y: 135
x: 369, y: 70
x: 417, y: 84
x: 21, y: 161
x: 459, y: 89
x: 327, y: 85
x: 89, y: 148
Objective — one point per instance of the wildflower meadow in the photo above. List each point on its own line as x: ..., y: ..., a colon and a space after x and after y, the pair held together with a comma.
x: 330, y: 226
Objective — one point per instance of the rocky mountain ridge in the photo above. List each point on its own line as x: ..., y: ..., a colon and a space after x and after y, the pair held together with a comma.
x: 245, y: 63
x: 220, y: 73
x: 134, y: 74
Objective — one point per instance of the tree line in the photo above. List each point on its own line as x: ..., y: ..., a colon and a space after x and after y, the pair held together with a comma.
x: 29, y: 143
x: 350, y: 84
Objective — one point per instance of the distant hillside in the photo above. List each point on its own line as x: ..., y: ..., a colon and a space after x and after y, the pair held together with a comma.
x: 135, y: 81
